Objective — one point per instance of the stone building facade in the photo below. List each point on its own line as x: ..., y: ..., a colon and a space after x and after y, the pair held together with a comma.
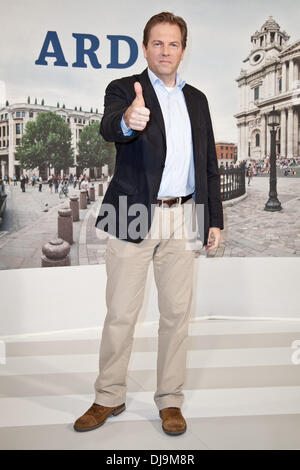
x: 270, y: 77
x: 226, y: 152
x: 13, y: 119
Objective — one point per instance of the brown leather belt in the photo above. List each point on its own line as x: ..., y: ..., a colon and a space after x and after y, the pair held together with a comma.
x: 175, y: 200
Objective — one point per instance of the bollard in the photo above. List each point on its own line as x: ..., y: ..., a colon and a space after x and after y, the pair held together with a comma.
x: 92, y: 193
x: 65, y: 225
x: 100, y: 189
x: 74, y: 206
x: 55, y: 253
x: 83, y: 199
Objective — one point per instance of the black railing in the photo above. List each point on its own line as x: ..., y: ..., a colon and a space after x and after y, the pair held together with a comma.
x: 232, y: 182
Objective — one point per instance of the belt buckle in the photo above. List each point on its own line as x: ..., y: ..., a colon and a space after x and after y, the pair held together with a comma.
x: 167, y: 202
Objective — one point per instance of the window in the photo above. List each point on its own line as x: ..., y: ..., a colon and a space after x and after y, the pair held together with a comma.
x: 23, y: 114
x: 3, y: 131
x: 75, y: 120
x: 0, y: 131
x: 6, y: 116
x: 2, y: 117
x: 18, y: 128
x: 280, y: 84
x: 221, y: 154
x: 221, y: 147
x: 257, y: 140
x: 18, y: 114
x: 256, y: 93
x: 79, y: 121
x: 31, y: 114
x: 18, y: 141
x: 226, y: 148
x: 226, y: 155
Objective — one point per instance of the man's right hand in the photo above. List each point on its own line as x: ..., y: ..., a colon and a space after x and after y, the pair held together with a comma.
x: 137, y: 115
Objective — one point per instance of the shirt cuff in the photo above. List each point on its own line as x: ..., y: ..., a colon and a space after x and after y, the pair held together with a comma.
x: 126, y: 130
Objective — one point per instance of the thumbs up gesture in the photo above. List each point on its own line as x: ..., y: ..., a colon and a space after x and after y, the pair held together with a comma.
x: 137, y: 115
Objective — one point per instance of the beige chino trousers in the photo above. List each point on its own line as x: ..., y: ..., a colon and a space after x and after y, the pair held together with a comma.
x: 127, y: 266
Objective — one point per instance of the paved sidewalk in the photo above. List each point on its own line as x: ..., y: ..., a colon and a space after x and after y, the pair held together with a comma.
x: 29, y: 228
x: 252, y: 231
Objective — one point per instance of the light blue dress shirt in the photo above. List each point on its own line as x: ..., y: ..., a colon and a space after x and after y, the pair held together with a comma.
x: 178, y: 178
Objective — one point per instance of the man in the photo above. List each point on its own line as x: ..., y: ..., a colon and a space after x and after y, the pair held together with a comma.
x: 166, y: 159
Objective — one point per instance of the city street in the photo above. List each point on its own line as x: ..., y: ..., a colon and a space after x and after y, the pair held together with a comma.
x: 249, y: 229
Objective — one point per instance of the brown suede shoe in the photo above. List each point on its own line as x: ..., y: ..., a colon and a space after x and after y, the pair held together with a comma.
x: 95, y: 416
x: 173, y: 421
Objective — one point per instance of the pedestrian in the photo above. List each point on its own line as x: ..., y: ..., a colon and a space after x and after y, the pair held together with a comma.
x: 50, y: 182
x: 85, y: 186
x: 55, y: 183
x: 15, y: 180
x: 170, y: 166
x: 23, y: 183
x: 40, y: 184
x: 249, y: 173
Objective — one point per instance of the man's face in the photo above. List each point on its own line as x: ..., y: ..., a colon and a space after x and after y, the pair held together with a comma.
x: 164, y: 50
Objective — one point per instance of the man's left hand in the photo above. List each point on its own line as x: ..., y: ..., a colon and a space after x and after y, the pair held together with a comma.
x: 214, y: 238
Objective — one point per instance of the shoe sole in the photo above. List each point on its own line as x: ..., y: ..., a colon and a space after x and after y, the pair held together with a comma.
x: 116, y: 412
x: 173, y: 433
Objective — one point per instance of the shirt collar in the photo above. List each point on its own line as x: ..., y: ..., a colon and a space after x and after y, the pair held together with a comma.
x: 179, y: 82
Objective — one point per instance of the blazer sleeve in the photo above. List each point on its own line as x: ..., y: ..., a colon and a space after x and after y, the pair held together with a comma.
x: 115, y: 104
x: 213, y: 177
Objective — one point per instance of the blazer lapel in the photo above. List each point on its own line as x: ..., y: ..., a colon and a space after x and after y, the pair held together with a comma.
x: 152, y: 102
x: 196, y: 115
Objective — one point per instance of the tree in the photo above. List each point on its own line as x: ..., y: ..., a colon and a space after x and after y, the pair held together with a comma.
x: 46, y: 141
x: 108, y: 155
x: 93, y: 150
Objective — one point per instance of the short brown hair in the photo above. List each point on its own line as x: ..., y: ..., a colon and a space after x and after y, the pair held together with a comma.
x: 166, y: 17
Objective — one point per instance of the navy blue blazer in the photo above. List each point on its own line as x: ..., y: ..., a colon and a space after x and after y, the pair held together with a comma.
x: 140, y: 158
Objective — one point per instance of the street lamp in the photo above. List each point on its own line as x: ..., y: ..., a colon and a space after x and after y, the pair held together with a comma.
x: 273, y: 204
